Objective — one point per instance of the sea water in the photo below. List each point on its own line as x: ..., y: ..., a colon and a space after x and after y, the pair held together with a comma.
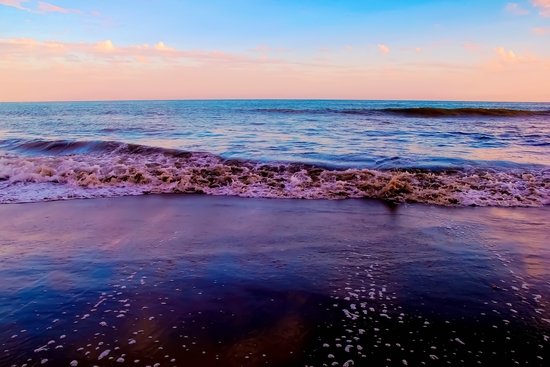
x: 444, y: 153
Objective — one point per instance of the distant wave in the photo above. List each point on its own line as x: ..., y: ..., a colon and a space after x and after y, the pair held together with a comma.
x: 354, y: 111
x: 115, y: 169
x: 418, y: 111
x: 441, y: 112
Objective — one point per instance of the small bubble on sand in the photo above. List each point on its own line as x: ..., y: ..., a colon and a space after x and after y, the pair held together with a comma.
x: 104, y: 354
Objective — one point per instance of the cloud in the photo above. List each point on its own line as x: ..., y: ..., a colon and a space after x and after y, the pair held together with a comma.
x: 43, y: 7
x: 15, y: 4
x: 51, y: 70
x: 50, y: 8
x: 418, y: 50
x: 515, y: 9
x: 95, y: 13
x: 544, y: 5
x: 510, y: 58
x: 384, y: 49
x: 541, y: 30
x: 29, y: 49
x: 143, y: 59
x: 162, y: 47
x: 507, y: 56
x: 23, y: 41
x: 105, y: 46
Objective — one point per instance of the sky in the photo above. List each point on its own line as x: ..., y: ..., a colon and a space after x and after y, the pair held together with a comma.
x: 482, y: 50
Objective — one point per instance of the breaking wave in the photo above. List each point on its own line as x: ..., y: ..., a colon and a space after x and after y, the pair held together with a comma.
x: 100, y: 169
x: 420, y: 112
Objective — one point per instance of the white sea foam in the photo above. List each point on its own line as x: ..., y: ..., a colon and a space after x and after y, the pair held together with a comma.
x: 121, y: 173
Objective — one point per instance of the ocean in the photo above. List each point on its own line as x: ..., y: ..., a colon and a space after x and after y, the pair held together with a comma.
x: 442, y: 153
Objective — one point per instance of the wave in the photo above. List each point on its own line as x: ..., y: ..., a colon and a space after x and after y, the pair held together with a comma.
x: 60, y: 147
x: 441, y: 112
x: 419, y: 112
x: 115, y: 169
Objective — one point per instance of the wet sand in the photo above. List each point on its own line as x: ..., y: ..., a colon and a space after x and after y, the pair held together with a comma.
x: 193, y: 280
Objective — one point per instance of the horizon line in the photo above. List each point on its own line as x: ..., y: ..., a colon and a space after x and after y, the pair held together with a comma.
x: 274, y: 99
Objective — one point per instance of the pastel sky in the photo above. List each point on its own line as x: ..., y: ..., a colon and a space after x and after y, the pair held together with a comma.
x: 488, y: 50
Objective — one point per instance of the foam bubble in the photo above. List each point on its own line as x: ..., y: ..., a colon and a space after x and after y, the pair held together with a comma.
x: 122, y: 172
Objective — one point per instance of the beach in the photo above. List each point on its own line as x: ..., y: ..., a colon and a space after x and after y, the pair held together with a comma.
x: 199, y: 280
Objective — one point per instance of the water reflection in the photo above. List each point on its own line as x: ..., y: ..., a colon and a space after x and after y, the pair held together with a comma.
x: 220, y: 281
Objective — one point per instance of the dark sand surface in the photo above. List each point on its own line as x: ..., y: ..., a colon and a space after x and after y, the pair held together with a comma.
x: 176, y: 280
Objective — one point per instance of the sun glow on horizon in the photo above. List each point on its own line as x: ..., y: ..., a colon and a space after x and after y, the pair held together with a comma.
x: 101, y: 60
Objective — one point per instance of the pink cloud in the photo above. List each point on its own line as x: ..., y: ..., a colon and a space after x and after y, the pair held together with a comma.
x: 544, y: 5
x: 52, y: 70
x: 505, y: 55
x: 23, y: 41
x: 27, y: 48
x: 510, y: 58
x: 384, y: 49
x: 50, y: 8
x: 143, y: 59
x: 109, y: 81
x: 15, y: 4
x: 418, y: 50
x: 515, y: 9
x: 541, y: 30
x: 95, y: 13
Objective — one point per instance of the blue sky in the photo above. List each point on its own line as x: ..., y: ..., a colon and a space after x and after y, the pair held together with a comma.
x: 301, y: 25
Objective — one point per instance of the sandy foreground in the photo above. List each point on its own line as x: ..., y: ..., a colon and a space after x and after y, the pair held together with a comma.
x: 194, y: 280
